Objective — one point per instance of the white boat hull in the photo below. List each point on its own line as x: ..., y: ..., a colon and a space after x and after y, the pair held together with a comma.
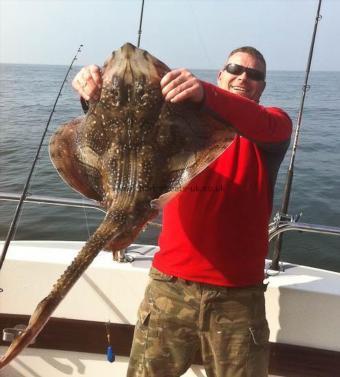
x: 303, y: 304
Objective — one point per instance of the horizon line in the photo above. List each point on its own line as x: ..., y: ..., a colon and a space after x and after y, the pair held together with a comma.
x: 194, y: 69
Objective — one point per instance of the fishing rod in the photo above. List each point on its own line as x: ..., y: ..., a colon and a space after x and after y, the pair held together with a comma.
x: 13, y: 226
x: 140, y: 24
x: 290, y: 173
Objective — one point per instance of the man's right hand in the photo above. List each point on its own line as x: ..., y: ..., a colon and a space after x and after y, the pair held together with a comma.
x: 88, y: 83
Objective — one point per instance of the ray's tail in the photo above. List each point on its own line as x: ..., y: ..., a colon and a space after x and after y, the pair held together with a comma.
x: 105, y: 232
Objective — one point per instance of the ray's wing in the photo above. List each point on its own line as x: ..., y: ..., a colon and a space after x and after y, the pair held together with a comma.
x: 197, y: 140
x: 66, y: 158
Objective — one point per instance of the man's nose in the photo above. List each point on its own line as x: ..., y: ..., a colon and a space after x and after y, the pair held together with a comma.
x: 243, y: 76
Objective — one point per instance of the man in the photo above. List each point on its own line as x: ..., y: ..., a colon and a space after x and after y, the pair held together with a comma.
x: 207, y: 291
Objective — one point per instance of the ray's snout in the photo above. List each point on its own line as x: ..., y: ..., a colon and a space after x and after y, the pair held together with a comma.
x: 131, y: 64
x: 127, y: 49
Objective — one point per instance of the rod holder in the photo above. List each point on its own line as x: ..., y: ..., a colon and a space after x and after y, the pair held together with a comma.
x: 10, y: 333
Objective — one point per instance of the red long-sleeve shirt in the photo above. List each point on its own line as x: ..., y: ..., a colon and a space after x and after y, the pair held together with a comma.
x: 216, y: 230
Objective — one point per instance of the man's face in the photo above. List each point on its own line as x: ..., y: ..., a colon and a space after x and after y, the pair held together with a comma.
x: 242, y: 84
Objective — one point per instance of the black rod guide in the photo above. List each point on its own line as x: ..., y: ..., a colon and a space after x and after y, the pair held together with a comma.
x: 13, y: 226
x: 140, y: 24
x: 290, y: 173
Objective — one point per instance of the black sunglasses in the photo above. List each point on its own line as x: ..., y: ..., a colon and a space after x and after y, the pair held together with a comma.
x: 236, y: 69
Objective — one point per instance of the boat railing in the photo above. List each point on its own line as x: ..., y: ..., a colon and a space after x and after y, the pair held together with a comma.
x: 286, y: 223
x: 59, y: 201
x: 280, y: 224
x: 52, y: 200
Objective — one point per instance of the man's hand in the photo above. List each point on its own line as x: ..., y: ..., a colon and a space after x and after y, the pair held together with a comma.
x: 180, y: 85
x: 88, y: 83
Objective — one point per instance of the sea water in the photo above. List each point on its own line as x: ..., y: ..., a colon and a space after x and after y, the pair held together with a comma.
x: 27, y: 94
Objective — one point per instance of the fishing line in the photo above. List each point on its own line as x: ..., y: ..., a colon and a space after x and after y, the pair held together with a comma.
x: 289, y: 179
x: 86, y: 222
x: 13, y: 226
x: 199, y: 35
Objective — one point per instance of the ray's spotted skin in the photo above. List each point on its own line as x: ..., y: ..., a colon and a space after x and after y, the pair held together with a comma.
x: 131, y: 152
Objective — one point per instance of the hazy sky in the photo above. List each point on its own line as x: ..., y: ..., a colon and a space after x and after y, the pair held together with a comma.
x: 186, y: 33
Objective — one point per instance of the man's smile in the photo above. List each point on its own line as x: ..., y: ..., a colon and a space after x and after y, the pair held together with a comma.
x: 238, y: 88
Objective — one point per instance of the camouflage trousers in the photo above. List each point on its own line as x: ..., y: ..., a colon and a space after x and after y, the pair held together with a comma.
x: 177, y: 318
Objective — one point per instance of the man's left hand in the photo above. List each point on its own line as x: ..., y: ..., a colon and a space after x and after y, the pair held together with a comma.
x: 181, y: 85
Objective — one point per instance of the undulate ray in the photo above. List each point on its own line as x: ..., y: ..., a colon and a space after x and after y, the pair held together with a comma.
x: 132, y: 152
